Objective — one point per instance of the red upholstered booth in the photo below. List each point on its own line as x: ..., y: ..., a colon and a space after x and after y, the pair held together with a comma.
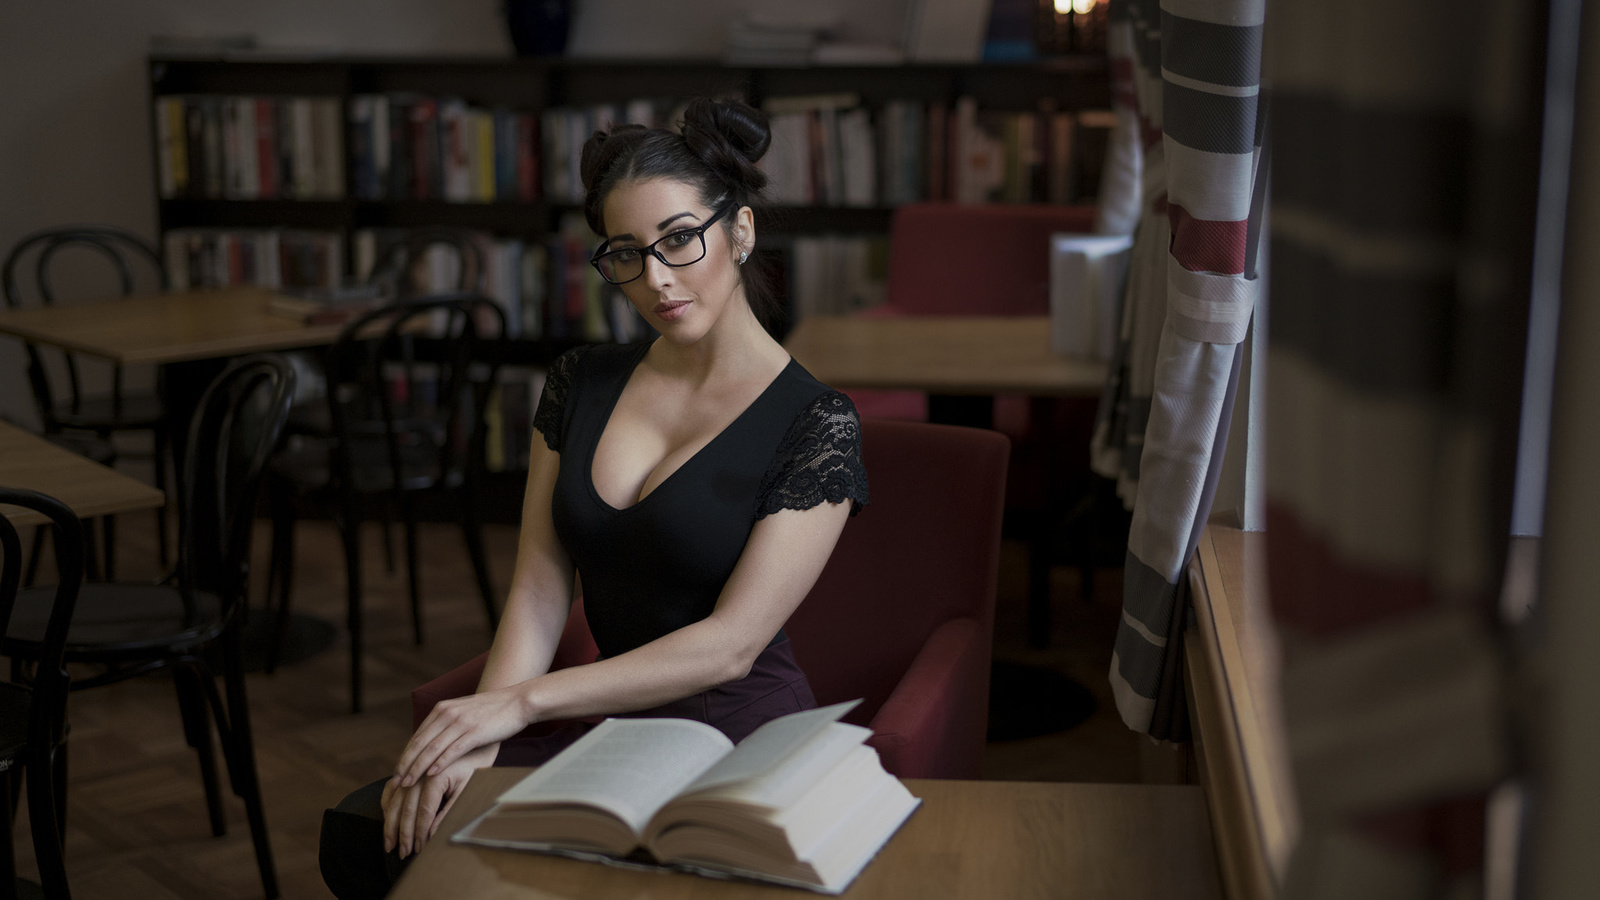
x: 903, y: 614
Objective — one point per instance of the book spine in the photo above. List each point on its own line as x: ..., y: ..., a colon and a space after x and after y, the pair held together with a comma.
x: 304, y: 148
x: 166, y: 180
x: 484, y: 156
x: 527, y: 157
x: 266, y: 148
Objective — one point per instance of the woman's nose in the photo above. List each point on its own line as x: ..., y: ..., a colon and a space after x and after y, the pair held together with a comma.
x: 656, y: 272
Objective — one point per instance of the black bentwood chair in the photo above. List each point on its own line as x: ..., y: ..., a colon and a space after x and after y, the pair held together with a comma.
x: 407, y: 388
x: 191, y: 627
x: 82, y: 256
x: 33, y: 716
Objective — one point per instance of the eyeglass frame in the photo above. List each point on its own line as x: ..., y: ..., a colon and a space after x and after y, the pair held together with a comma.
x: 698, y: 231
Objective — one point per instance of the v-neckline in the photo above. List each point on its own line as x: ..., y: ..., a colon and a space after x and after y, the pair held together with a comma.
x: 611, y: 408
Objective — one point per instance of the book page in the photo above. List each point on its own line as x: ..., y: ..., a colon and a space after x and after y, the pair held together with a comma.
x: 771, y: 745
x: 629, y: 767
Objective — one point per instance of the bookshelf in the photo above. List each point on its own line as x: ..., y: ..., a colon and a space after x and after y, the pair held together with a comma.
x: 341, y: 203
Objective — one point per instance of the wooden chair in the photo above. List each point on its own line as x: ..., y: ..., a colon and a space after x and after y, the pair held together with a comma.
x: 191, y: 627
x: 29, y: 275
x: 398, y: 266
x: 408, y: 385
x: 33, y: 715
x: 902, y: 615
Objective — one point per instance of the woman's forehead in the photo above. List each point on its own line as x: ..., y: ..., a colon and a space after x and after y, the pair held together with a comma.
x: 640, y: 207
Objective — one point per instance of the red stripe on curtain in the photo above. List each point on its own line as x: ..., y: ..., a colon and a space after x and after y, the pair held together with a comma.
x: 1206, y: 245
x: 1315, y: 591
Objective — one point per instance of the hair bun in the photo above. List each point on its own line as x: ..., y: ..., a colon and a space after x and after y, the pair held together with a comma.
x: 729, y: 136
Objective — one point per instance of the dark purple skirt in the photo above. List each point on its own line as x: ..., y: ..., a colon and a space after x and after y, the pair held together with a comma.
x: 775, y: 687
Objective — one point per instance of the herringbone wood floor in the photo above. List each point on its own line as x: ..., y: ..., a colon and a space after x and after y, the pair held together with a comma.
x: 136, y: 817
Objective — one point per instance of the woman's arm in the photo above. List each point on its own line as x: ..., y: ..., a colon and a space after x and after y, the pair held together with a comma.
x: 784, y: 555
x: 541, y: 585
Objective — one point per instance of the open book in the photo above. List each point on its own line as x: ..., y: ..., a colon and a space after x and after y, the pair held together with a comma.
x: 801, y: 801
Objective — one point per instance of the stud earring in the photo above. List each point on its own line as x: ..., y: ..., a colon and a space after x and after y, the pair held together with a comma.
x: 743, y: 255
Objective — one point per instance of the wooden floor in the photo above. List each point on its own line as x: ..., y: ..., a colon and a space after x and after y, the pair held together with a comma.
x: 136, y: 818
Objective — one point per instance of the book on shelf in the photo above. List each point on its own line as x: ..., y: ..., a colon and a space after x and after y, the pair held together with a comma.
x: 801, y: 801
x: 277, y: 258
x: 248, y: 148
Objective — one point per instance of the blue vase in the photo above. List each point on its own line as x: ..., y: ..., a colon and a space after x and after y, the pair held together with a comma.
x: 539, y: 27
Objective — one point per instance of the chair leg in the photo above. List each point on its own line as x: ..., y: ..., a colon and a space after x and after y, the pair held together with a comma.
x: 91, y: 552
x: 160, y: 454
x: 408, y: 514
x: 41, y: 533
x: 108, y: 528
x: 280, y: 573
x: 47, y: 831
x: 238, y: 745
x: 58, y: 771
x: 472, y: 530
x: 8, y: 856
x: 351, y: 533
x: 197, y: 732
x: 1039, y: 548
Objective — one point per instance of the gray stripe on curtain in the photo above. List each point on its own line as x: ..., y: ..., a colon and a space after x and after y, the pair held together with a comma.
x: 1219, y: 54
x: 1386, y: 170
x: 1147, y: 595
x: 1210, y: 122
x: 1139, y: 661
x: 1383, y: 334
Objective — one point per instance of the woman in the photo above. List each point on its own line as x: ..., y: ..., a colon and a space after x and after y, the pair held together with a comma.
x: 697, y: 484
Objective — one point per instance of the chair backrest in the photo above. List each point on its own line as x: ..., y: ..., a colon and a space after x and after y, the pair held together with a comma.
x: 29, y: 277
x: 411, y: 372
x: 47, y: 711
x: 397, y: 268
x: 959, y: 259
x: 235, y: 429
x: 924, y: 552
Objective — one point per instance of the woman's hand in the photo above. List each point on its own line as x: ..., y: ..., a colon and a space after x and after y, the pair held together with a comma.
x: 456, y: 727
x: 412, y: 814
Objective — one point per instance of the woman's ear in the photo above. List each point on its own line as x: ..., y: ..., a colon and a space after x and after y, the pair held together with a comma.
x: 744, y: 233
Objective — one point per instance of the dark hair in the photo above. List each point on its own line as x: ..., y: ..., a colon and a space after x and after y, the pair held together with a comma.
x: 715, y: 149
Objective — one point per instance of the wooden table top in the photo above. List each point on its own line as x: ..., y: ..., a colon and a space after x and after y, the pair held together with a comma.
x: 969, y: 839
x: 166, y: 328
x: 941, y: 355
x: 90, y: 489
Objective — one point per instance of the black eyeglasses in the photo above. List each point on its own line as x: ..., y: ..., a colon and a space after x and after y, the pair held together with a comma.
x: 678, y: 249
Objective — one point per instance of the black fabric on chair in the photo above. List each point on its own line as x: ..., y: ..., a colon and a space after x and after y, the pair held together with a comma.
x: 29, y: 276
x: 408, y: 385
x: 191, y: 627
x: 33, y: 716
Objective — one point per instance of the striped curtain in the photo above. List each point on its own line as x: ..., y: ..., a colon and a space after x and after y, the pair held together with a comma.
x: 1405, y: 171
x: 1162, y: 429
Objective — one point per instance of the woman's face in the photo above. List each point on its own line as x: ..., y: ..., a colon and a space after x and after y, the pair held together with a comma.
x: 681, y: 302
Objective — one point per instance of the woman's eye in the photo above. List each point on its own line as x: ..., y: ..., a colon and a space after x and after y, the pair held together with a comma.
x: 680, y: 239
x: 625, y: 256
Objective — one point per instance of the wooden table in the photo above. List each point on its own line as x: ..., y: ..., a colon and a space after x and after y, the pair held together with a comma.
x: 969, y: 839
x: 966, y: 355
x: 168, y: 328
x: 90, y: 489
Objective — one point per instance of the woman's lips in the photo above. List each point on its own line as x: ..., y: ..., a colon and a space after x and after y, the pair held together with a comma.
x: 671, y: 310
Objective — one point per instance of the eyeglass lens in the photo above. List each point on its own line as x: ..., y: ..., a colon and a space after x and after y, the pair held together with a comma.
x: 678, y: 249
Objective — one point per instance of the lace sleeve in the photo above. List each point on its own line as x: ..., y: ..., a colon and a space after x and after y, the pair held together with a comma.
x: 550, y: 417
x: 818, y: 461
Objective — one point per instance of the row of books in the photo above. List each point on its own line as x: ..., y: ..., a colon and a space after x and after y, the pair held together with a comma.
x: 830, y: 150
x: 249, y: 148
x: 543, y: 287
x: 409, y: 147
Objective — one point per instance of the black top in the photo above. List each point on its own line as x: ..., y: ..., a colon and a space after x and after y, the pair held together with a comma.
x: 660, y: 564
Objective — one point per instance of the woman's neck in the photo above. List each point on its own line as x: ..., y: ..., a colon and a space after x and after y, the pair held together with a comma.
x: 736, y: 347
